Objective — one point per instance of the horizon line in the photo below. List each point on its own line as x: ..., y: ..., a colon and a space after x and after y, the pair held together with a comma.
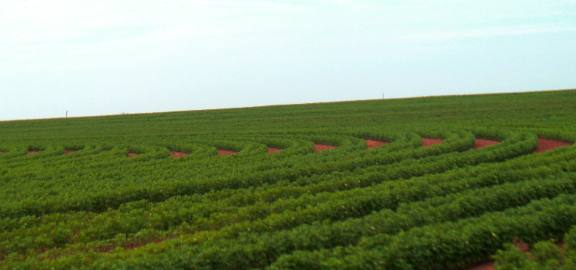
x: 479, y: 93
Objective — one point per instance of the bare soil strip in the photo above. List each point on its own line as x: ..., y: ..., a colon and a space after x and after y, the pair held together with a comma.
x: 547, y: 144
x: 274, y: 150
x: 481, y: 143
x: 68, y: 152
x: 224, y: 152
x: 427, y: 142
x: 178, y: 154
x: 323, y: 147
x: 484, y: 266
x: 132, y: 154
x: 375, y: 143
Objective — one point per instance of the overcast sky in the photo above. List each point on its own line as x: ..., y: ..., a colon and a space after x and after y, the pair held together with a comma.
x: 114, y: 56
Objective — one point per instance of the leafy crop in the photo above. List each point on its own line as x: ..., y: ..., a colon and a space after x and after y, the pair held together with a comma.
x: 108, y: 193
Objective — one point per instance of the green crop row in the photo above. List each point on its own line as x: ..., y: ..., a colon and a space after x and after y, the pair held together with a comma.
x: 337, y: 206
x: 449, y: 245
x: 107, y: 193
x: 544, y: 255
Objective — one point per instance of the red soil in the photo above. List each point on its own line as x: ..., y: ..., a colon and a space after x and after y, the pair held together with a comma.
x: 132, y: 155
x: 323, y: 147
x: 274, y: 150
x: 485, y: 266
x: 481, y: 143
x: 427, y: 142
x: 178, y: 154
x: 375, y: 143
x: 223, y: 152
x: 522, y: 246
x: 68, y: 152
x: 547, y: 145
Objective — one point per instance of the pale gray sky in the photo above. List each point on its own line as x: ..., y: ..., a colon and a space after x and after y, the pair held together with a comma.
x: 111, y: 56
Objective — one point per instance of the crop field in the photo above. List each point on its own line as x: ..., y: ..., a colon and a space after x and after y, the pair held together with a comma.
x: 458, y: 182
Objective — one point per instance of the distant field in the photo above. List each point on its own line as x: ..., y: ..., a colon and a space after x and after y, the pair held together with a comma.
x: 422, y: 183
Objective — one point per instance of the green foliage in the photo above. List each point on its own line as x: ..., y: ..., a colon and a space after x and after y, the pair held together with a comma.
x: 546, y: 255
x: 105, y: 192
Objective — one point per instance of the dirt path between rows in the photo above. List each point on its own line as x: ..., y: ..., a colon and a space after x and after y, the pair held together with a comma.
x: 375, y: 143
x: 427, y: 142
x: 178, y: 154
x: 323, y: 147
x: 274, y: 150
x: 481, y: 143
x: 547, y: 145
x: 224, y: 152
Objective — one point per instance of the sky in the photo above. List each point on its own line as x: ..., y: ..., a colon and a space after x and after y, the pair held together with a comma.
x: 109, y: 57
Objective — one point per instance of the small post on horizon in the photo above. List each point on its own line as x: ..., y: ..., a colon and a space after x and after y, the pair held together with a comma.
x: 383, y: 95
x: 66, y: 114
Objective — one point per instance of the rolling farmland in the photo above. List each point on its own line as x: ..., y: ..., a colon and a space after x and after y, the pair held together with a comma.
x: 422, y: 183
